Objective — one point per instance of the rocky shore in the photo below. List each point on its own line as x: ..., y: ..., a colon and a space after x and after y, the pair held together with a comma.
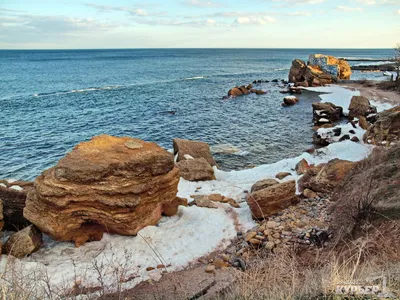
x: 176, y: 213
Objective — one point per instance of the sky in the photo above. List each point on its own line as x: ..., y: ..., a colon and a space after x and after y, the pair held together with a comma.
x: 60, y: 24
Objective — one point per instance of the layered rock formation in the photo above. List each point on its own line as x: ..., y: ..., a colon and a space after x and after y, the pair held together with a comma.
x: 325, y: 177
x: 108, y: 184
x: 320, y: 70
x: 271, y: 199
x: 386, y: 129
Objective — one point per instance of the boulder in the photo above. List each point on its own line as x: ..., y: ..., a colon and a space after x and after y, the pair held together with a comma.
x: 195, y: 149
x: 360, y: 106
x: 326, y: 110
x: 235, y: 92
x: 309, y: 194
x: 13, y: 196
x: 386, y: 129
x: 271, y: 200
x: 171, y: 209
x: 24, y: 242
x: 290, y: 100
x: 262, y: 184
x: 258, y: 92
x: 302, y: 167
x: 321, y: 69
x: 282, y: 175
x: 108, y: 184
x: 362, y: 122
x: 326, y: 177
x: 244, y: 90
x: 197, y: 169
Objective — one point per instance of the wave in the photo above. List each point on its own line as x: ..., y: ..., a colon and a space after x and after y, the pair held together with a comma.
x: 194, y: 78
x: 281, y: 69
x: 111, y: 87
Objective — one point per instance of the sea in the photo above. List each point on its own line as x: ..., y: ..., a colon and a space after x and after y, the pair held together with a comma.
x: 51, y: 100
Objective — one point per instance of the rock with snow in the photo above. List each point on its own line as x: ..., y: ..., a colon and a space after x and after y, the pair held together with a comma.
x: 24, y: 242
x: 324, y: 178
x: 262, y: 184
x: 360, y: 106
x: 268, y: 201
x: 290, y: 100
x: 13, y: 195
x: 386, y: 128
x: 103, y: 185
x: 195, y: 149
x: 327, y: 110
x: 302, y: 167
x: 197, y: 169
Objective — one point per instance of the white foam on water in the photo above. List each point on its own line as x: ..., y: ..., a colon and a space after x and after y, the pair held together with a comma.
x: 194, y: 78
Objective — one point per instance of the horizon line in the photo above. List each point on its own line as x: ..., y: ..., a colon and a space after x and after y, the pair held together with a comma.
x: 189, y: 48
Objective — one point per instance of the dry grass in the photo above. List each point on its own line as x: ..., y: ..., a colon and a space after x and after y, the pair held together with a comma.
x: 285, y: 275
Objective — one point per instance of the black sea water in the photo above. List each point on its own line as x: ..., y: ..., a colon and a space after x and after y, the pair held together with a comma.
x: 50, y: 100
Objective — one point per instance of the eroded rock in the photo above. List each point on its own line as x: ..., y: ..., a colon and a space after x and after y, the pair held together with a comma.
x: 24, y: 242
x: 103, y: 186
x: 197, y: 169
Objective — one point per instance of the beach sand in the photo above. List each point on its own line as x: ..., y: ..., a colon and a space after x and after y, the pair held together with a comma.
x: 374, y: 93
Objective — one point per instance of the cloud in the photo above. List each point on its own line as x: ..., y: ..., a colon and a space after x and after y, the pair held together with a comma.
x: 367, y: 2
x: 304, y: 1
x: 200, y: 3
x: 398, y: 12
x: 107, y: 8
x: 299, y: 14
x: 254, y: 20
x: 348, y: 8
x: 171, y: 22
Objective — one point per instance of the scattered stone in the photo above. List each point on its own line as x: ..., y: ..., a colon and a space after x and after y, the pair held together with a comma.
x: 195, y: 149
x: 344, y: 137
x: 148, y: 269
x: 160, y: 266
x: 197, y: 169
x: 282, y: 175
x: 362, y: 122
x: 269, y: 201
x: 250, y: 235
x: 216, y: 197
x: 309, y: 194
x: 355, y: 139
x: 203, y: 201
x: 290, y: 100
x: 262, y: 184
x: 302, y: 167
x: 210, y: 269
x: 24, y: 242
x: 255, y: 242
x: 270, y: 245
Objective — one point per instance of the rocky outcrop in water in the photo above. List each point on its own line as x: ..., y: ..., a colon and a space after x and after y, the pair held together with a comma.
x: 320, y: 70
x: 108, y: 184
x: 386, y: 129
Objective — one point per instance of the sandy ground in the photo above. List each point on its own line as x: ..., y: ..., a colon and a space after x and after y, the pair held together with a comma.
x: 373, y: 93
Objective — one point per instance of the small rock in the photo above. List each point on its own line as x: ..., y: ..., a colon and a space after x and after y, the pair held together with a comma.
x: 271, y: 224
x: 148, y: 269
x: 225, y: 257
x: 270, y: 245
x: 254, y: 242
x: 282, y: 175
x: 219, y: 263
x: 215, y: 197
x: 160, y: 267
x: 24, y: 242
x: 310, y: 194
x: 355, y: 139
x: 210, y: 269
x: 250, y: 235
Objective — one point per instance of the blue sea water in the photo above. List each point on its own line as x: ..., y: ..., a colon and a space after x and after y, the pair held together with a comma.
x: 50, y: 100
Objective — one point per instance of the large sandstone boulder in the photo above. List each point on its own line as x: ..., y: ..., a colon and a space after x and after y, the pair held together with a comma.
x: 197, y: 169
x: 13, y: 196
x: 386, y: 129
x: 263, y: 184
x: 266, y: 202
x: 24, y: 242
x: 338, y: 68
x: 108, y: 184
x: 235, y: 92
x: 360, y: 106
x: 326, y: 177
x: 193, y: 149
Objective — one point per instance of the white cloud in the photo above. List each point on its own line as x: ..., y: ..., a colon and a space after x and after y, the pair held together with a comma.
x: 398, y: 12
x: 107, y: 8
x: 367, y: 2
x: 254, y: 20
x: 305, y: 1
x: 349, y: 9
x: 299, y: 14
x: 200, y: 3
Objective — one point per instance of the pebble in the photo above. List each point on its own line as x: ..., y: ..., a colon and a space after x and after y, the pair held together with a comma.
x: 270, y: 245
x: 210, y: 269
x: 254, y: 242
x: 271, y: 224
x: 250, y: 235
x: 148, y: 269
